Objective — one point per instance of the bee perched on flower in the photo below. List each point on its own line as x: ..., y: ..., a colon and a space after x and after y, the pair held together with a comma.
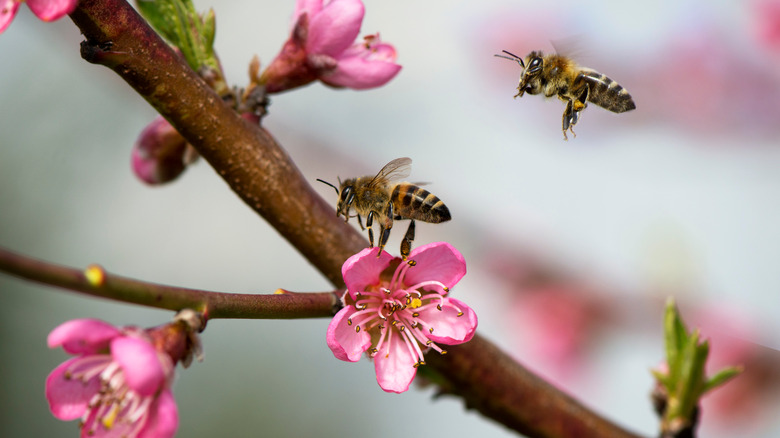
x: 396, y: 310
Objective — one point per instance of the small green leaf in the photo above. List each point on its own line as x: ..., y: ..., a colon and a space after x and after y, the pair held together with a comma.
x: 161, y: 14
x: 209, y: 28
x: 721, y: 377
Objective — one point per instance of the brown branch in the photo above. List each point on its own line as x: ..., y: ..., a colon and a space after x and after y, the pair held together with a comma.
x: 264, y: 176
x: 97, y: 282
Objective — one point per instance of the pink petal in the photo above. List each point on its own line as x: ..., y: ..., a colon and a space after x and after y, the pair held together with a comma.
x: 394, y: 366
x: 449, y: 328
x: 68, y: 398
x: 83, y: 336
x: 138, y: 358
x: 359, y: 73
x: 163, y: 417
x: 335, y: 28
x: 8, y: 10
x: 363, y: 269
x: 438, y: 261
x: 311, y: 7
x: 345, y: 343
x: 50, y: 10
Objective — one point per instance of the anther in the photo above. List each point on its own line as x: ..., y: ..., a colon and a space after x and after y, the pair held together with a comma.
x: 428, y: 342
x: 415, y: 314
x: 438, y: 306
x: 357, y: 329
x: 349, y: 321
x: 443, y: 352
x: 411, y: 262
x: 446, y: 289
x: 430, y: 330
x: 460, y: 313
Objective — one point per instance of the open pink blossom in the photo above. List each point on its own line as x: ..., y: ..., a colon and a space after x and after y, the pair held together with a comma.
x: 161, y: 154
x: 46, y: 10
x: 118, y: 383
x: 396, y: 310
x: 322, y: 46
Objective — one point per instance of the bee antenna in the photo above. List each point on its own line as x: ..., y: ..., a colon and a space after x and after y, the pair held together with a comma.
x: 325, y: 182
x: 514, y: 57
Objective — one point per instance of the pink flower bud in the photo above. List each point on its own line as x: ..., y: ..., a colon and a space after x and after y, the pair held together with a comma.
x: 161, y: 154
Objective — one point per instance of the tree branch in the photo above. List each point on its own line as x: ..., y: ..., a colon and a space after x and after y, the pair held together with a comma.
x: 264, y: 176
x: 97, y: 282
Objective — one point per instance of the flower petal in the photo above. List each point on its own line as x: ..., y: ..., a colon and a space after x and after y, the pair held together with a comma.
x: 83, y: 336
x: 335, y: 28
x: 437, y: 261
x: 394, y: 365
x: 50, y: 10
x: 68, y: 397
x: 345, y: 343
x: 363, y: 269
x: 8, y: 10
x: 359, y: 73
x: 163, y: 417
x: 449, y: 328
x: 138, y: 358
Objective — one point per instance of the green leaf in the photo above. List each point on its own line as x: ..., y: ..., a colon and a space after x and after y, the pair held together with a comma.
x: 162, y: 16
x: 179, y: 23
x: 721, y: 377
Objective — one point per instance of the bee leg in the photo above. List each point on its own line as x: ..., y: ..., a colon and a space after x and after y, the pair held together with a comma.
x: 386, y: 227
x: 360, y: 222
x: 566, y: 121
x: 406, y: 244
x: 369, y: 225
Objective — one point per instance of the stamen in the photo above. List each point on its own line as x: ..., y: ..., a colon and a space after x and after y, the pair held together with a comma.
x: 398, y: 275
x: 438, y: 285
x: 415, y: 346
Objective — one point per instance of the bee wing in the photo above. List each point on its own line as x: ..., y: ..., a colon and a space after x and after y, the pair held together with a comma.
x: 572, y: 46
x: 393, y: 171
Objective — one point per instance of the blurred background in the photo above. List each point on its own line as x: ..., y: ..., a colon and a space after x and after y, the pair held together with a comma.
x: 572, y: 247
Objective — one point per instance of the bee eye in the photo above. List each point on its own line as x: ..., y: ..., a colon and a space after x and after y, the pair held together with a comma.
x: 535, y: 65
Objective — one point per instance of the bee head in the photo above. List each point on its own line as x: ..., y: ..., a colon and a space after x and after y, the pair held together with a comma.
x: 346, y: 197
x: 530, y: 79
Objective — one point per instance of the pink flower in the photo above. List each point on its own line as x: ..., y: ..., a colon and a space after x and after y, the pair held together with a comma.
x: 46, y: 10
x: 322, y: 46
x: 118, y: 383
x: 161, y: 154
x: 395, y: 310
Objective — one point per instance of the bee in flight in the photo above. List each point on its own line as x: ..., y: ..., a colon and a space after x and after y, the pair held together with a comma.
x: 383, y: 199
x: 559, y: 75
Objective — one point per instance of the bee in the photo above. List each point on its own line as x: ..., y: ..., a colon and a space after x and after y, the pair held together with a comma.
x: 559, y: 75
x: 382, y: 198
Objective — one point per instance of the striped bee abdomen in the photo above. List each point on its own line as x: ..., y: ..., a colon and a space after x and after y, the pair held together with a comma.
x: 605, y: 92
x: 413, y: 202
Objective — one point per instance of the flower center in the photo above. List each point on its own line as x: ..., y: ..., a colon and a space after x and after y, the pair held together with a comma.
x: 114, y: 403
x: 393, y: 309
